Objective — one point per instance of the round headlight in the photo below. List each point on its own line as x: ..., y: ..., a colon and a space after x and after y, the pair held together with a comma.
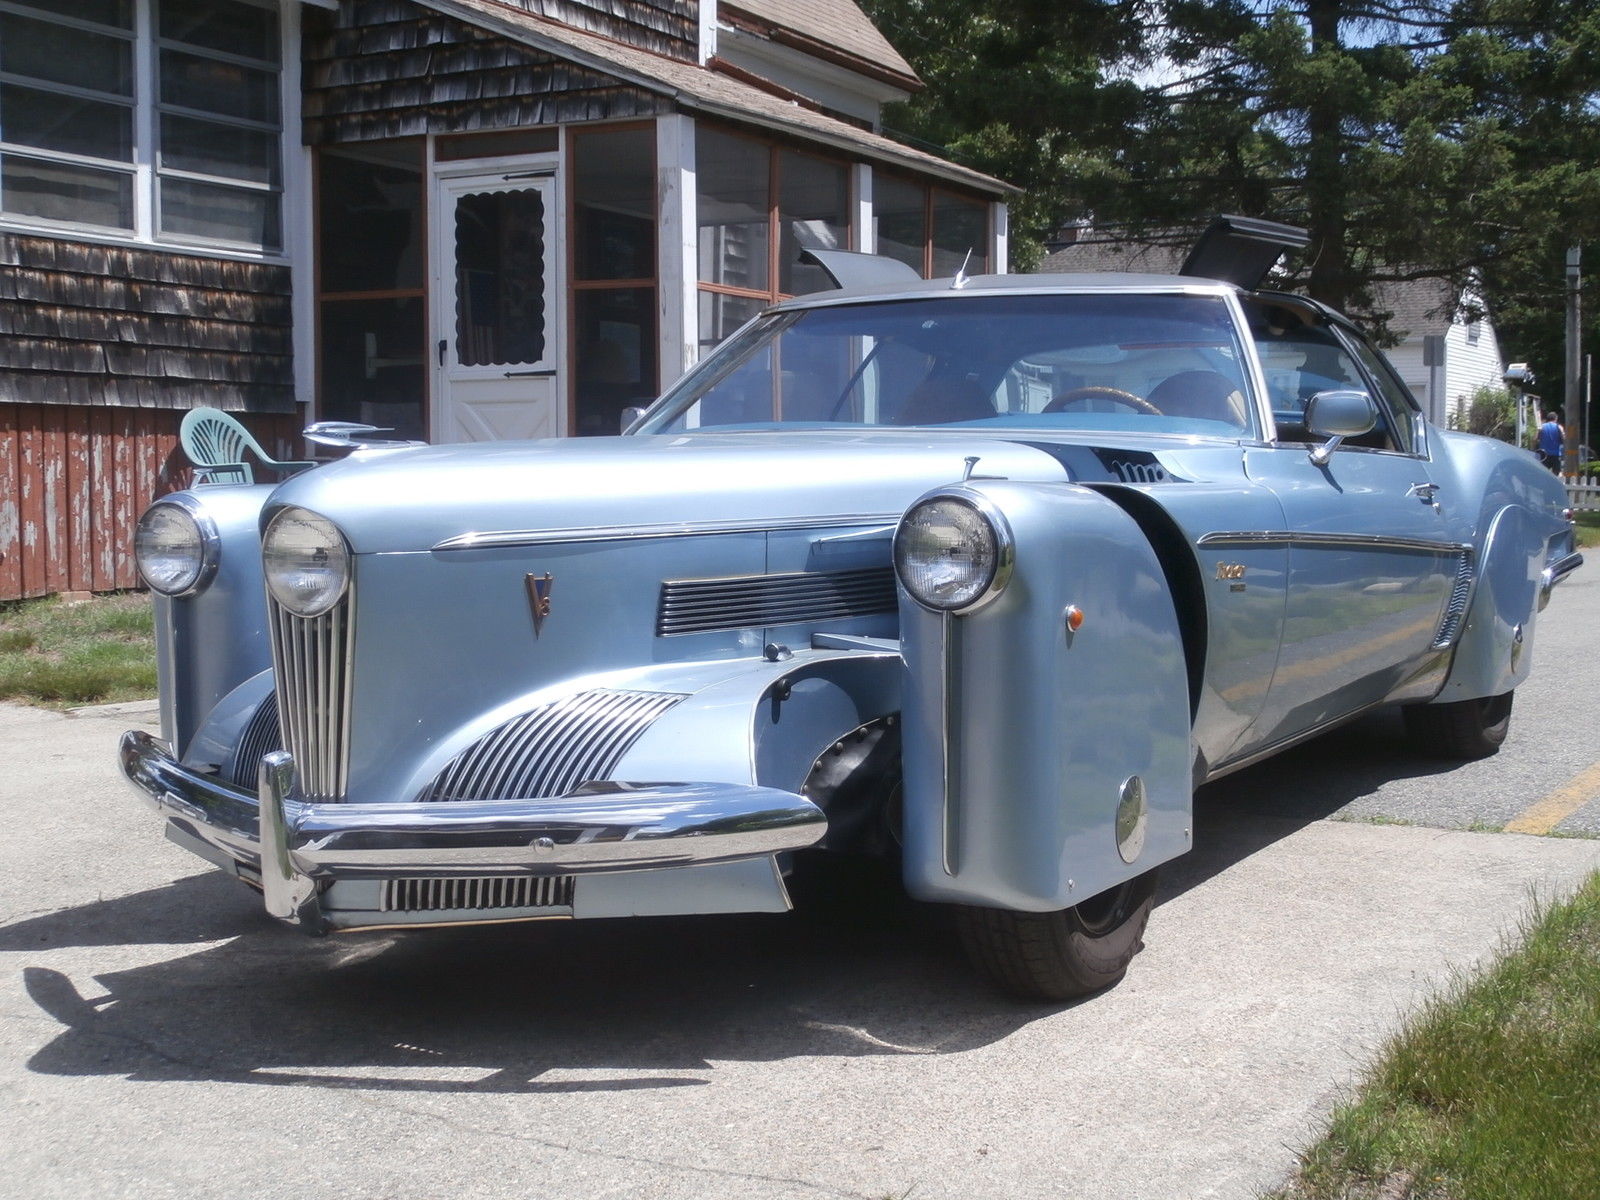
x: 306, y: 562
x: 175, y: 546
x: 952, y: 555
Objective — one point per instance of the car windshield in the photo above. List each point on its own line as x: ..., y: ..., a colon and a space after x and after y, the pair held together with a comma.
x: 1162, y: 363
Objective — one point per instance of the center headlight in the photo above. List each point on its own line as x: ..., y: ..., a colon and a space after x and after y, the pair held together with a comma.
x: 952, y: 554
x: 306, y: 562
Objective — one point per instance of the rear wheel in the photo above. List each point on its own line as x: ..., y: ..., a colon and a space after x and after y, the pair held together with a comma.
x: 1463, y: 729
x: 1063, y: 954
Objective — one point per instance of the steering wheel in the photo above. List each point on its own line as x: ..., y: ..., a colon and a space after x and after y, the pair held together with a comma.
x: 1097, y: 392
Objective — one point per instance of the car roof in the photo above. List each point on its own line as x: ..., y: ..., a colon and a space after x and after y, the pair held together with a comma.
x: 1055, y: 283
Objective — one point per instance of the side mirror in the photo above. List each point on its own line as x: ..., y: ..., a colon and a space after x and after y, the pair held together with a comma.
x: 630, y: 417
x: 1337, y: 415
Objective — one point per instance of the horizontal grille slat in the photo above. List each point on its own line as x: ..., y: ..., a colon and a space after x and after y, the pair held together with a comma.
x: 703, y: 605
x: 477, y: 893
x: 552, y: 749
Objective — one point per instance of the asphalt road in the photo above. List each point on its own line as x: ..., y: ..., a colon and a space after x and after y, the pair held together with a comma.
x: 159, y: 1036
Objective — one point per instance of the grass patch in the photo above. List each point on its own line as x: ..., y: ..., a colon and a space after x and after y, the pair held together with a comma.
x: 1491, y: 1092
x: 1588, y: 528
x: 56, y: 654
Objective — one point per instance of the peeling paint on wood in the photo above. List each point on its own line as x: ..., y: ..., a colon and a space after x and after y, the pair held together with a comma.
x: 73, y: 482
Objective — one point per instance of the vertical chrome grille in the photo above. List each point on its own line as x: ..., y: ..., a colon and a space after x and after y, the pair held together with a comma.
x: 311, y: 659
x: 552, y: 749
x: 261, y: 735
x: 1456, y: 610
x: 477, y: 892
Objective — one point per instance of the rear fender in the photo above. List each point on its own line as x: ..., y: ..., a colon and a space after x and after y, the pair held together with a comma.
x: 1020, y: 738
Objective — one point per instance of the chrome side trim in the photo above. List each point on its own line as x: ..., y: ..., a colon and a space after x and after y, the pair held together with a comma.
x: 671, y: 529
x: 1331, y: 541
x: 951, y: 816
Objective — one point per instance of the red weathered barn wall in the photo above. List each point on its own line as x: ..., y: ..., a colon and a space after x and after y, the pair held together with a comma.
x: 73, y: 481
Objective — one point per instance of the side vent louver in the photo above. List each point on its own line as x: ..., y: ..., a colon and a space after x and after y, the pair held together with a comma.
x: 1455, y: 612
x: 752, y: 601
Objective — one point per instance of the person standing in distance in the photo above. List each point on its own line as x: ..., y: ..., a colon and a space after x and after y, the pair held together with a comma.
x: 1552, y: 439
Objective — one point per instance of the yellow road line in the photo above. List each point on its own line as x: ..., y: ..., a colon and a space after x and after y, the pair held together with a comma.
x: 1546, y: 814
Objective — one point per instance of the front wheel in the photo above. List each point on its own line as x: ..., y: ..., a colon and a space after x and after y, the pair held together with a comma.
x: 1463, y: 729
x: 1062, y: 954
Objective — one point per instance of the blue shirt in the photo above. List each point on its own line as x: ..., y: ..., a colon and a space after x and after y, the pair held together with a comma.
x: 1550, y: 439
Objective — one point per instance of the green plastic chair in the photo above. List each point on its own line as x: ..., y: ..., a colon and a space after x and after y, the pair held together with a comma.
x: 215, y: 444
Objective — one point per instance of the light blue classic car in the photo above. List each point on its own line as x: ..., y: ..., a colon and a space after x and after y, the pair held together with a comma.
x: 987, y: 574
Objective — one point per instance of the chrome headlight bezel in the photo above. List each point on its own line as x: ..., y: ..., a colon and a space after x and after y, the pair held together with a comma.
x: 338, y: 563
x: 207, y: 541
x: 971, y: 506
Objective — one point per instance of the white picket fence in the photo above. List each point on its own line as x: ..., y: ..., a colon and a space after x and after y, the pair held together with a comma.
x: 1583, y: 491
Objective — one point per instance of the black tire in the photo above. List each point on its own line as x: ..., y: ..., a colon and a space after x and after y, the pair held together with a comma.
x: 1063, y: 954
x: 1465, y: 729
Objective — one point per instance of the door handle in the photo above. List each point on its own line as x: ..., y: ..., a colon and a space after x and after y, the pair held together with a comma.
x: 1423, y: 491
x: 443, y: 344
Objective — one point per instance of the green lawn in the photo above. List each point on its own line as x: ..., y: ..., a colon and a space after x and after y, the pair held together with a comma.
x: 1588, y: 524
x: 57, y: 654
x: 1492, y: 1092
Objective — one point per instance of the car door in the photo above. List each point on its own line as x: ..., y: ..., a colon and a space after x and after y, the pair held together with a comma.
x: 1372, y: 567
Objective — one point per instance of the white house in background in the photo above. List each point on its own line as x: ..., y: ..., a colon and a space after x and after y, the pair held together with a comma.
x: 1443, y: 356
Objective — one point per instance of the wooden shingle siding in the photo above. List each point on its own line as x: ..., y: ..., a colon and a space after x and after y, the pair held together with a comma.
x: 79, y: 478
x: 669, y: 27
x: 117, y: 326
x: 387, y: 68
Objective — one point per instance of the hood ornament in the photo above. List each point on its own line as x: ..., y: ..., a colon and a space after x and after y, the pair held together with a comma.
x: 539, y: 588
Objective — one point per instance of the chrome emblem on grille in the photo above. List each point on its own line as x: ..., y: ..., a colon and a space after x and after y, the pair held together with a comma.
x: 539, y: 587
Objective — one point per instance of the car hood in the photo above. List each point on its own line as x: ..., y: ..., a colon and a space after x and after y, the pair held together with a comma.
x: 411, y: 500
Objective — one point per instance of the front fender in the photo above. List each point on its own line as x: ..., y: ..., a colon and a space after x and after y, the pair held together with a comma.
x: 1495, y: 651
x: 1020, y: 737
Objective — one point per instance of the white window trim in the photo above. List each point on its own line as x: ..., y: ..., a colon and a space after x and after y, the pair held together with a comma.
x: 293, y: 164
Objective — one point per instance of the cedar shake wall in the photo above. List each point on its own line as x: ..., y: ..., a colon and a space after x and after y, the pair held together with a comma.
x: 670, y: 27
x: 387, y: 68
x: 74, y: 479
x: 130, y: 327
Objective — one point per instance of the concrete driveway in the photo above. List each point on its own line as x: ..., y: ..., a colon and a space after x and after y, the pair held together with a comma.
x: 161, y: 1037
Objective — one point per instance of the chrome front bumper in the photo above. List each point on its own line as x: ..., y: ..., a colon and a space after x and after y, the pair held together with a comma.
x: 299, y: 848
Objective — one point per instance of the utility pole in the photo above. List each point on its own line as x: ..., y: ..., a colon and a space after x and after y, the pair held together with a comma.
x: 1574, y: 370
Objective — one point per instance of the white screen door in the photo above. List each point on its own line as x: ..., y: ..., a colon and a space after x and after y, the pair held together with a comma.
x: 497, y: 342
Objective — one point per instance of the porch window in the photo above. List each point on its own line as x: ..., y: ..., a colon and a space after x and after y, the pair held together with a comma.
x: 759, y: 204
x: 160, y: 119
x: 931, y: 230
x: 371, y: 263
x: 614, y: 274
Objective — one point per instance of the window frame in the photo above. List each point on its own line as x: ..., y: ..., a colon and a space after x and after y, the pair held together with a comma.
x: 144, y: 167
x: 775, y: 148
